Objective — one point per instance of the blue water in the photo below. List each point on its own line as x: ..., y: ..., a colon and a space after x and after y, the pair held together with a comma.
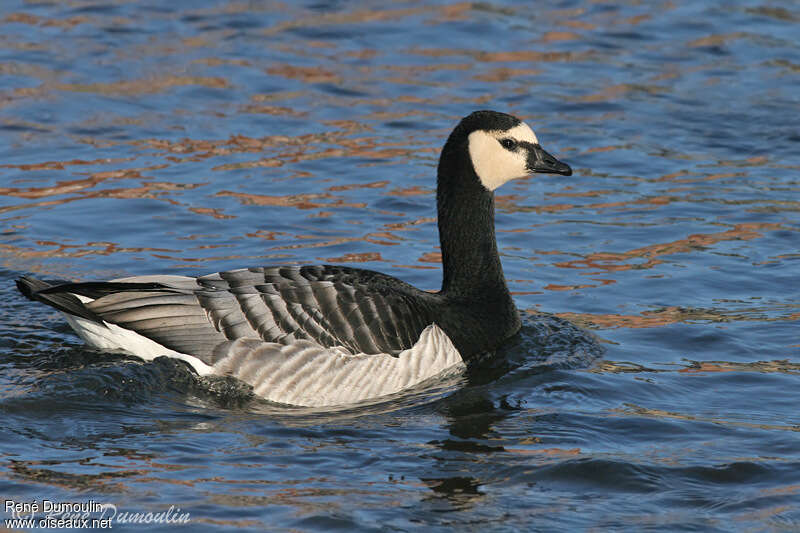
x: 192, y: 137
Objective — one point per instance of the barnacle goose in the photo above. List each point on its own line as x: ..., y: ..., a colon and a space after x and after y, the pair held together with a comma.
x: 332, y: 335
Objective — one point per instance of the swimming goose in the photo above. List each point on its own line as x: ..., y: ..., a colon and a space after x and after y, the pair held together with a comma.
x: 331, y: 335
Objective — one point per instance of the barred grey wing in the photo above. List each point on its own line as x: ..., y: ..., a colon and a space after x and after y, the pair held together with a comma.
x: 359, y: 310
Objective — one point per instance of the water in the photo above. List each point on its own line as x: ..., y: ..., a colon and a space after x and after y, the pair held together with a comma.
x: 191, y: 137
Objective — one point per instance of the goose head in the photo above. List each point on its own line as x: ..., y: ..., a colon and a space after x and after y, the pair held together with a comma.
x: 484, y: 151
x: 500, y: 148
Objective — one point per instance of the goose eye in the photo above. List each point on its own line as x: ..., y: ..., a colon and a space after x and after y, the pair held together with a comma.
x: 508, y: 144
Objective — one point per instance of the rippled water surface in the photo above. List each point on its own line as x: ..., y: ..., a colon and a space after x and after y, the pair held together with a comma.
x: 190, y: 137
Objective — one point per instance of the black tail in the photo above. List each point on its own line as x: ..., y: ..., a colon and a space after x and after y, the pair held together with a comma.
x: 42, y: 291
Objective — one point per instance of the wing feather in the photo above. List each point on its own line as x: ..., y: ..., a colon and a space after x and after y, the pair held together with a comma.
x: 358, y: 311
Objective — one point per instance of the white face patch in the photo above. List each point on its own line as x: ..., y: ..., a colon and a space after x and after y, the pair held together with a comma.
x: 495, y: 164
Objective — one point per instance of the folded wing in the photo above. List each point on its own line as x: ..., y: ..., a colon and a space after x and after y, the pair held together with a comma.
x: 358, y: 310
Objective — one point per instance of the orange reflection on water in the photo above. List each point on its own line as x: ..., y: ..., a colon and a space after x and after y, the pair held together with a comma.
x: 430, y: 257
x: 33, y: 20
x: 648, y: 319
x: 352, y: 186
x: 60, y: 165
x: 674, y: 315
x: 550, y: 452
x: 343, y: 17
x: 155, y: 84
x: 780, y: 366
x: 614, y: 262
x: 57, y: 249
x: 82, y: 190
x: 212, y: 212
x: 299, y: 201
x: 517, y: 56
x: 354, y: 258
x: 621, y: 90
x: 69, y: 186
x: 636, y: 410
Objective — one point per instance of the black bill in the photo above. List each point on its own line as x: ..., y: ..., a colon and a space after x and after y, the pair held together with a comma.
x: 542, y: 162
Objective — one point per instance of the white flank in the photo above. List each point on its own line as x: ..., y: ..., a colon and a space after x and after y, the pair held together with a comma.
x: 494, y: 164
x: 114, y: 338
x: 307, y: 374
x: 302, y: 373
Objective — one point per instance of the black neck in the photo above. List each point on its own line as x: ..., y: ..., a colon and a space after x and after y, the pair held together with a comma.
x: 466, y: 230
